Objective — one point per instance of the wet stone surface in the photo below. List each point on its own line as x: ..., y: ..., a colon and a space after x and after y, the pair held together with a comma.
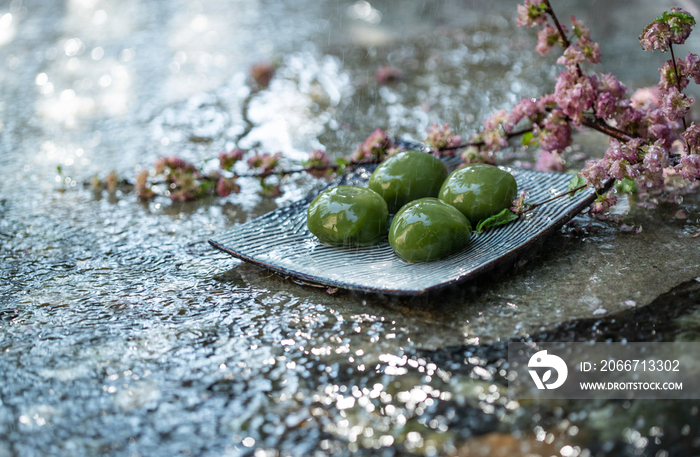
x: 123, y: 333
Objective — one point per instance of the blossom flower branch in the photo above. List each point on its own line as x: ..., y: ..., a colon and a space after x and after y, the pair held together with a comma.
x: 642, y: 127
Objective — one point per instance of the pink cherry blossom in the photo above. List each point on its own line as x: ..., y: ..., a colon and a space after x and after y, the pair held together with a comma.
x: 675, y: 104
x: 603, y: 203
x: 579, y: 29
x: 496, y: 120
x: 605, y: 105
x: 375, y: 146
x: 494, y: 139
x: 255, y: 160
x: 143, y: 189
x: 532, y: 13
x: 663, y: 131
x: 519, y: 203
x: 673, y: 77
x: 270, y: 161
x: 572, y: 57
x: 608, y: 83
x: 689, y: 167
x: 590, y: 49
x: 647, y: 97
x: 656, y: 35
x: 320, y: 159
x: 692, y: 67
x: 680, y: 26
x: 574, y: 94
x: 228, y: 159
x: 655, y: 157
x: 265, y: 161
x: 650, y: 180
x: 494, y: 135
x: 173, y: 164
x: 555, y: 132
x: 227, y: 186
x: 441, y: 136
x: 674, y: 27
x: 547, y: 38
x: 475, y: 155
x: 527, y: 108
x: 549, y: 161
x: 595, y: 173
x: 692, y: 136
x: 614, y: 151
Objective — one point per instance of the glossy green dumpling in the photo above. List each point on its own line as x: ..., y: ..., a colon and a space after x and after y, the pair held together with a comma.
x: 479, y: 191
x: 408, y: 176
x: 348, y: 216
x: 428, y: 229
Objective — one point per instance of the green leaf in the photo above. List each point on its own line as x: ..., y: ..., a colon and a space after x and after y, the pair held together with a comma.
x: 342, y: 161
x: 502, y: 218
x: 575, y: 183
x: 206, y: 184
x: 59, y: 170
x: 684, y: 17
x: 627, y: 186
x: 529, y: 139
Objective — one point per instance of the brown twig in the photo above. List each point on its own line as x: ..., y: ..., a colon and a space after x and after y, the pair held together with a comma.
x: 598, y: 123
x: 481, y: 143
x: 678, y: 85
x: 603, y: 127
x: 606, y: 187
x: 569, y: 192
x: 330, y: 166
x: 562, y: 34
x: 678, y: 78
x: 364, y: 161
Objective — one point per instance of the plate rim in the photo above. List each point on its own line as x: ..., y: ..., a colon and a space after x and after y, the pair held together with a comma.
x: 471, y: 275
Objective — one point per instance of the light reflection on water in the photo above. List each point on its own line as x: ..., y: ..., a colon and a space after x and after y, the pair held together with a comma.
x: 123, y: 333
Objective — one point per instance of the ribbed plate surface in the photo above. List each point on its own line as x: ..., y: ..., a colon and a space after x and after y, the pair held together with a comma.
x: 280, y: 241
